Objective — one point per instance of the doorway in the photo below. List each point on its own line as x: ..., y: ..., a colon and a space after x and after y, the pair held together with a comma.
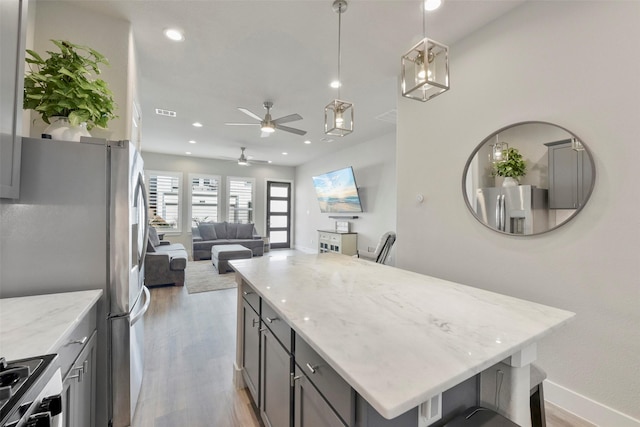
x: 279, y: 214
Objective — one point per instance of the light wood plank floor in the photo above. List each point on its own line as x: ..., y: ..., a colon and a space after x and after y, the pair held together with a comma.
x: 189, y: 354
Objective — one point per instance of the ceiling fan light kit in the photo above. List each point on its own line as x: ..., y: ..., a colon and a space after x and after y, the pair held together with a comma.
x: 425, y: 68
x: 338, y: 114
x: 269, y: 125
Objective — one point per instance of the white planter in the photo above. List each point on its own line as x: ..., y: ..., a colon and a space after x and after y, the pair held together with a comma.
x: 510, y: 182
x: 61, y: 129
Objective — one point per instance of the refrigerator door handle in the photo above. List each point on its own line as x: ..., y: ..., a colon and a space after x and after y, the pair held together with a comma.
x: 498, y: 215
x: 142, y: 188
x: 504, y: 213
x: 145, y: 307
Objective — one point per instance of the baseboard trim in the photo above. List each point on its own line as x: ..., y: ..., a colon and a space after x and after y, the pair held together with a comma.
x: 586, y: 408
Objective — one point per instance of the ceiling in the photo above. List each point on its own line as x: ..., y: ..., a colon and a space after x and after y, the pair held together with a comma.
x: 240, y: 53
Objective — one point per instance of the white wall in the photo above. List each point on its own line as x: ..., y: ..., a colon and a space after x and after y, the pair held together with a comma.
x: 60, y: 20
x: 224, y: 168
x: 576, y: 64
x: 374, y: 167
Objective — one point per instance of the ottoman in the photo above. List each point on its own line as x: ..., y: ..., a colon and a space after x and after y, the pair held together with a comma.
x: 221, y: 254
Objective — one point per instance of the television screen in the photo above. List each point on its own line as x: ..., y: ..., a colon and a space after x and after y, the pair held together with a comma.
x: 337, y: 191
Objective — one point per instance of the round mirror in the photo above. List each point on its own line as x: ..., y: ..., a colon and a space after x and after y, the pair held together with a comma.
x: 528, y: 178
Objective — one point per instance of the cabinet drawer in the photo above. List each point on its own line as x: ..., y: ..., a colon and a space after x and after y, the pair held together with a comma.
x: 324, y: 236
x: 250, y: 296
x: 331, y: 385
x: 75, y: 342
x: 279, y: 327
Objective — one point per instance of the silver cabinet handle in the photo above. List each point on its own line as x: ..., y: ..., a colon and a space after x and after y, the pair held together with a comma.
x: 294, y: 378
x: 81, y: 342
x: 262, y: 329
x: 255, y: 322
x: 312, y: 368
x: 271, y: 320
x: 245, y: 293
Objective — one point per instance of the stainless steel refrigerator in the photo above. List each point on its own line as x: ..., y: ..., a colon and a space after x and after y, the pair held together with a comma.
x: 522, y: 209
x: 81, y: 223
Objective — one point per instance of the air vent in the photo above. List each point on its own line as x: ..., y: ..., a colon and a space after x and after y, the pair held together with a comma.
x: 168, y: 113
x: 389, y: 117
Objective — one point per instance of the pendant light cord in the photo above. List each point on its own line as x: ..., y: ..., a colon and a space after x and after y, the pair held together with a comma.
x: 339, y: 51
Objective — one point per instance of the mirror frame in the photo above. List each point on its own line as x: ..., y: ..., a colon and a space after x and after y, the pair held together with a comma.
x: 492, y: 137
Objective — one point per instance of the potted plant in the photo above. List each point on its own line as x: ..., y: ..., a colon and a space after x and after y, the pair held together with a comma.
x: 63, y: 86
x: 512, y: 168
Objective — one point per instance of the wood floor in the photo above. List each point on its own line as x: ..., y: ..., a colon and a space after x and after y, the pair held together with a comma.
x: 189, y: 354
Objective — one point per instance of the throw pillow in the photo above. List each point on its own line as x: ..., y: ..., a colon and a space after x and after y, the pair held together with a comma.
x: 232, y: 230
x: 150, y: 247
x: 153, y: 237
x: 221, y: 229
x: 207, y: 231
x: 245, y: 231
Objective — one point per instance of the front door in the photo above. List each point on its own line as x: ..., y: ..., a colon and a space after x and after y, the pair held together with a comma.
x: 279, y: 214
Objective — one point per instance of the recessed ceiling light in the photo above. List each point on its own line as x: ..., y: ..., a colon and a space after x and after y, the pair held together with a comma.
x: 284, y: 153
x: 191, y: 141
x: 335, y: 84
x: 197, y: 125
x: 430, y: 5
x: 326, y: 139
x: 269, y: 161
x: 174, y: 34
x: 307, y: 142
x: 187, y: 152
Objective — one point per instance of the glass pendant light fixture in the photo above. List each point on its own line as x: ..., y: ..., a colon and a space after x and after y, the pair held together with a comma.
x: 576, y: 145
x: 338, y: 114
x: 499, y: 151
x: 425, y: 68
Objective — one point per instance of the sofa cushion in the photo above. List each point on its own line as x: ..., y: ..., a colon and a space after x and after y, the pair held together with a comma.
x: 245, y: 231
x: 221, y: 229
x: 207, y: 231
x: 232, y: 230
x: 153, y: 237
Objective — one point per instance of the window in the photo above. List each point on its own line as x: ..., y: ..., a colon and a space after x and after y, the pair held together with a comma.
x: 164, y: 199
x: 240, y: 198
x: 205, y: 191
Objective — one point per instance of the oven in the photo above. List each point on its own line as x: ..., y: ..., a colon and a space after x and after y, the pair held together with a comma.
x: 30, y: 392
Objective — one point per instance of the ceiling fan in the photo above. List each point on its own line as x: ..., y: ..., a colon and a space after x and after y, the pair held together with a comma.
x: 269, y: 125
x: 247, y: 161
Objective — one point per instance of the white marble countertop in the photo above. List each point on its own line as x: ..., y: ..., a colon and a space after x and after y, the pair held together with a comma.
x: 37, y: 325
x: 397, y: 337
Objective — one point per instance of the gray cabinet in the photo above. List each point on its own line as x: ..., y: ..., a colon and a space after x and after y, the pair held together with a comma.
x: 251, y: 350
x: 311, y: 409
x: 13, y: 20
x: 79, y: 387
x: 275, y: 399
x: 570, y: 175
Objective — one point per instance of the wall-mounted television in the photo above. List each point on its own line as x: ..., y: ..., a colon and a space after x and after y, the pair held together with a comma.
x: 337, y: 191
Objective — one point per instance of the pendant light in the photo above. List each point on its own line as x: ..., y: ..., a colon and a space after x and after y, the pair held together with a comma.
x: 338, y: 114
x: 425, y: 68
x: 499, y: 152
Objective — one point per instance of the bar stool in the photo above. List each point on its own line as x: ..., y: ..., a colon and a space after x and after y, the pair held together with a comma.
x: 480, y: 417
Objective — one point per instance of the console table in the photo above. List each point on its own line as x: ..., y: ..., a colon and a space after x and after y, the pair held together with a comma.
x: 337, y: 242
x: 398, y: 340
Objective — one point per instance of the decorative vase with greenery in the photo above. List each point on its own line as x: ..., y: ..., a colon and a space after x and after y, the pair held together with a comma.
x: 63, y: 85
x: 514, y: 167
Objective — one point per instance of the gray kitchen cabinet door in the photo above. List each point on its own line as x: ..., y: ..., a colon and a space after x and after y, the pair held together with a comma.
x: 275, y: 406
x: 251, y: 350
x: 570, y: 175
x: 79, y: 387
x: 13, y: 28
x: 310, y: 408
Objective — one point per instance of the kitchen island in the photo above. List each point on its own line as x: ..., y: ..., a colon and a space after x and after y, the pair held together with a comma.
x: 397, y: 338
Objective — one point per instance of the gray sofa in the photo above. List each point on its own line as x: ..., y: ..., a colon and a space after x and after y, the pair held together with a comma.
x: 208, y: 234
x: 165, y: 262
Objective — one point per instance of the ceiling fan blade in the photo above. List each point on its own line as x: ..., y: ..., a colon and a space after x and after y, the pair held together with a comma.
x: 287, y: 119
x: 242, y: 124
x: 250, y: 114
x: 292, y: 130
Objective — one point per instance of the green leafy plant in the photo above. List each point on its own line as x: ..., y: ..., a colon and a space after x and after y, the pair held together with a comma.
x: 64, y: 85
x: 513, y: 167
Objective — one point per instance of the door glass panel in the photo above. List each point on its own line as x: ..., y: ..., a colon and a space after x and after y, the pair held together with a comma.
x: 279, y: 206
x: 277, y: 221
x: 277, y: 191
x: 277, y: 237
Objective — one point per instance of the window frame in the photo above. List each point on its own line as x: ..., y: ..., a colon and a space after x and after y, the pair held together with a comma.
x: 220, y: 195
x: 148, y: 174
